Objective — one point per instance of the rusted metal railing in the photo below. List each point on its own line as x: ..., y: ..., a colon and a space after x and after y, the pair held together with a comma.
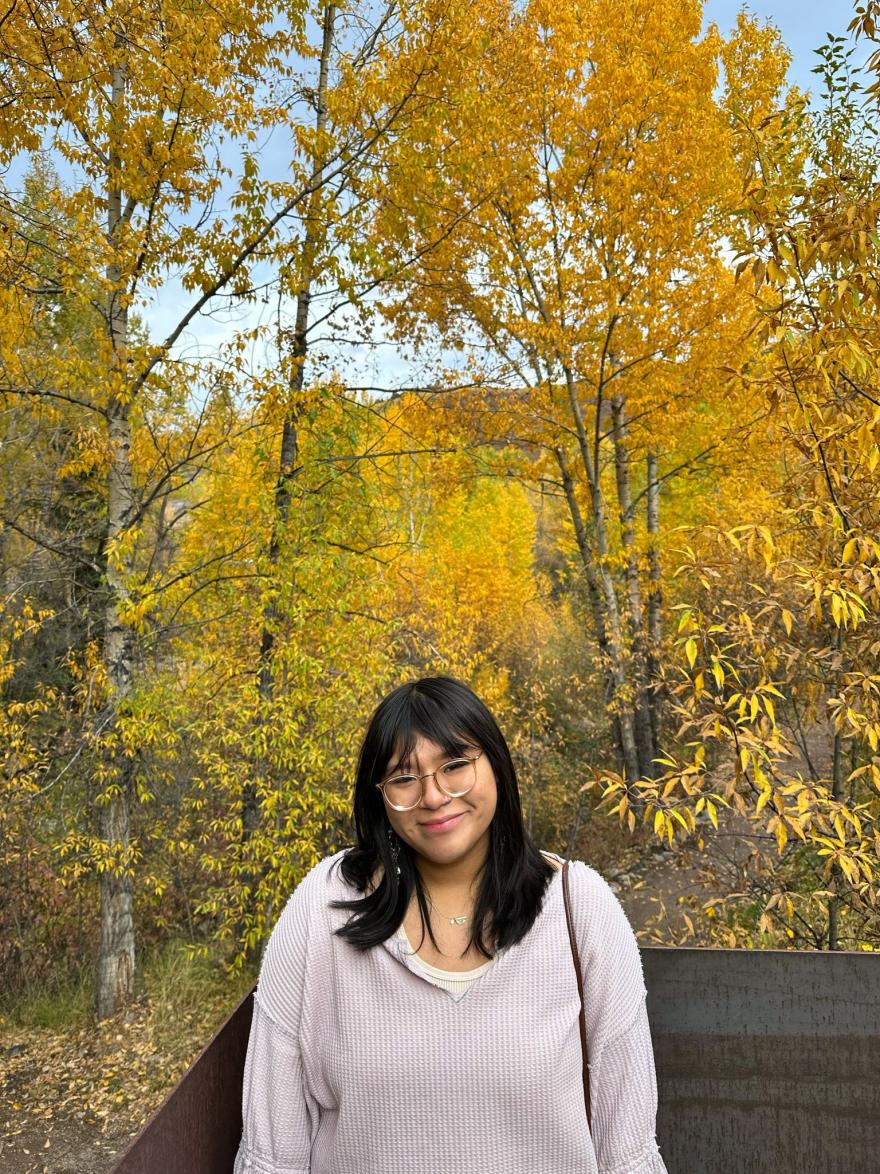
x: 768, y: 1062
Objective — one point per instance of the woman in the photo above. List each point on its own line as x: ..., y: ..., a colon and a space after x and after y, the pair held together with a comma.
x: 417, y: 1010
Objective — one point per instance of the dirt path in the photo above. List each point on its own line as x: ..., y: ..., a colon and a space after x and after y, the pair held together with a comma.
x: 657, y: 891
x: 46, y: 1139
x: 63, y: 1145
x: 663, y: 886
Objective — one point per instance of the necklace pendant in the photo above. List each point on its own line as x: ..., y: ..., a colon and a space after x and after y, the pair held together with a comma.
x: 458, y: 920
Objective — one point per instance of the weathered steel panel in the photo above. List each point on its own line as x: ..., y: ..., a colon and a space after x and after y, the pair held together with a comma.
x: 767, y: 1063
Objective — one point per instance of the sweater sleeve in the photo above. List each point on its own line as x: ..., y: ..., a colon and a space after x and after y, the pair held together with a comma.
x: 625, y: 1103
x: 279, y: 1115
x: 623, y: 1086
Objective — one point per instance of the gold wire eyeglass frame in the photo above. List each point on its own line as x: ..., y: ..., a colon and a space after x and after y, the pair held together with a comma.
x: 420, y: 779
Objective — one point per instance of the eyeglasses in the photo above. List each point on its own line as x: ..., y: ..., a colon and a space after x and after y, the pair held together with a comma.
x: 454, y: 778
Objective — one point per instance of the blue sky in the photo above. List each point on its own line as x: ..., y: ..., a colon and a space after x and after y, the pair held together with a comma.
x: 804, y: 25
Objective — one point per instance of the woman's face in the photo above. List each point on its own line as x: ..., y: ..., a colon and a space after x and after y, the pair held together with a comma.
x: 443, y: 830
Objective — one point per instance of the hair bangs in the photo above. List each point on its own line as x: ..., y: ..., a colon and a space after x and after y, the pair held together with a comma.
x: 423, y: 717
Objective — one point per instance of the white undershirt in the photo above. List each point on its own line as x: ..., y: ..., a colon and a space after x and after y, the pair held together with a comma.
x: 454, y: 981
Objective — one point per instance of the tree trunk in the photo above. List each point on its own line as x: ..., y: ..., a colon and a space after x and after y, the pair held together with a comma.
x: 635, y: 622
x: 287, y: 464
x: 289, y: 456
x: 617, y: 655
x: 116, y: 960
x: 837, y: 794
x: 655, y: 594
x: 594, y: 594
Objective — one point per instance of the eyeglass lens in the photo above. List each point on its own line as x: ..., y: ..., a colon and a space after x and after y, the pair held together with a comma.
x: 454, y: 778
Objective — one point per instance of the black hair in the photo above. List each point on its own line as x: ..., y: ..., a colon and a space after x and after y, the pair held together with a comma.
x: 514, y: 878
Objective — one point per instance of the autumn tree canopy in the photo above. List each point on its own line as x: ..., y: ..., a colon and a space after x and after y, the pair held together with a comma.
x: 627, y: 488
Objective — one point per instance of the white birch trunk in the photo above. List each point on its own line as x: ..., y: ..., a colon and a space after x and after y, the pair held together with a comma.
x: 116, y: 960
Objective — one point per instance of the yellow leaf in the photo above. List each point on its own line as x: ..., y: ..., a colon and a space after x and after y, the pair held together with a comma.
x: 781, y: 833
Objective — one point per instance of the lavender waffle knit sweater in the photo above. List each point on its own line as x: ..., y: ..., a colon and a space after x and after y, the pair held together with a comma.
x: 359, y: 1064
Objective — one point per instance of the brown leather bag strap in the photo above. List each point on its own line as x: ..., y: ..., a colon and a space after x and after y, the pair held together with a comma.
x: 572, y: 941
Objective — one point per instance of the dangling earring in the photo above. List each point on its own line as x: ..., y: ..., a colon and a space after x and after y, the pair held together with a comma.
x: 395, y: 848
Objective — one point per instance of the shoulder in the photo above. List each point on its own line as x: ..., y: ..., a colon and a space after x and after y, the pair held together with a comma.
x: 610, y: 957
x: 590, y: 889
x: 598, y: 915
x: 322, y: 884
x: 306, y: 905
x: 323, y: 877
x: 590, y: 892
x: 296, y: 940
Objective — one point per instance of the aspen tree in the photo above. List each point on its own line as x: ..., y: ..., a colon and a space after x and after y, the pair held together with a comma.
x: 588, y: 140
x: 156, y: 115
